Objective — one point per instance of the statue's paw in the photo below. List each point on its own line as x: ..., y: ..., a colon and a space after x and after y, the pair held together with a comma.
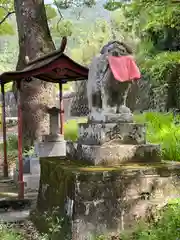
x: 124, y: 109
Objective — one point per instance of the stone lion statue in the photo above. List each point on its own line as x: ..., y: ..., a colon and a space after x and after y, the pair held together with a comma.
x: 109, y: 79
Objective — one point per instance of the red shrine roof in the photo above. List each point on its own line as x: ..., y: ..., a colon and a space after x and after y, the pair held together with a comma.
x: 52, y: 67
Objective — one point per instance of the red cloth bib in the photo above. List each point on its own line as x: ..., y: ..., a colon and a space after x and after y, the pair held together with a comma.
x: 124, y: 68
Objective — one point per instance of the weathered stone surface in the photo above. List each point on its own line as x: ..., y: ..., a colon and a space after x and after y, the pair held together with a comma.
x: 71, y: 150
x: 52, y: 146
x: 118, y: 201
x: 100, y: 200
x: 123, y: 133
x: 111, y: 118
x: 110, y: 154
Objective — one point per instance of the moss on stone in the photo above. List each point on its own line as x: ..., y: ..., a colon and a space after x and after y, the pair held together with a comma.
x: 59, y: 180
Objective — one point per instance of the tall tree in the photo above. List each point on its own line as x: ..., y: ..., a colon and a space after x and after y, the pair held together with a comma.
x: 34, y: 41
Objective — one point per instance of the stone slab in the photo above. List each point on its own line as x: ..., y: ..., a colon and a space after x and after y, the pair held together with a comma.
x: 123, y: 133
x: 115, y: 154
x: 14, y: 216
x: 35, y: 166
x: 53, y: 138
x: 111, y: 118
x: 52, y: 149
x: 31, y: 181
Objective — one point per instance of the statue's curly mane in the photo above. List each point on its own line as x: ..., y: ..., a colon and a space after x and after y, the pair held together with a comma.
x: 124, y: 45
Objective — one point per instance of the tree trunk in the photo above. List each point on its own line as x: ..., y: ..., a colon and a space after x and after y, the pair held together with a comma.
x: 34, y: 41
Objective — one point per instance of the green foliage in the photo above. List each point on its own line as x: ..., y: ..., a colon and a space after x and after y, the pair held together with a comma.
x: 163, y: 129
x: 112, y: 5
x: 167, y: 228
x: 50, y: 12
x: 161, y: 65
x: 98, y: 34
x: 9, y: 233
x: 71, y: 129
x: 62, y: 28
x: 156, y: 24
x: 12, y: 149
x: 6, y: 27
x: 63, y: 4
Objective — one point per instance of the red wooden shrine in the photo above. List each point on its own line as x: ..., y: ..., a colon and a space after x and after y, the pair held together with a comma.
x: 55, y: 67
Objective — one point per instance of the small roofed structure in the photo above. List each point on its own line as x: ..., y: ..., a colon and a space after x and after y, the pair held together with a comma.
x: 55, y: 67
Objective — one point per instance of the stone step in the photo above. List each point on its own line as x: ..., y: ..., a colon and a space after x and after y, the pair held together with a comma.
x: 124, y: 133
x: 115, y: 154
x: 14, y: 216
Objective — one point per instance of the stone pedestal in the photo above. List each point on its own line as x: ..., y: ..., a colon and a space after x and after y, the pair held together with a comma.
x: 53, y: 145
x: 98, y: 201
x: 107, y: 202
x: 100, y: 133
x: 111, y: 144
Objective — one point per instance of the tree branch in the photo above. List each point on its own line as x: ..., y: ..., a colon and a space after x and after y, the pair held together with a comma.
x: 60, y: 14
x: 7, y: 15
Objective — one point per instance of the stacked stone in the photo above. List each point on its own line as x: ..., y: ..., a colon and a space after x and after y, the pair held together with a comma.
x: 113, y: 143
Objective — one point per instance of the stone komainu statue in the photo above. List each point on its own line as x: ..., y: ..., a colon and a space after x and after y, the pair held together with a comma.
x: 110, y: 75
x: 102, y: 94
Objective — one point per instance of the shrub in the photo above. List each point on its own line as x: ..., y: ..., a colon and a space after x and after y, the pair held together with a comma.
x: 9, y: 233
x: 167, y: 228
x: 163, y: 129
x: 71, y: 129
x: 12, y: 148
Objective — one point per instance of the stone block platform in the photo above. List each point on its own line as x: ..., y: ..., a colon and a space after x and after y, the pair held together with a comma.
x: 103, y: 200
x: 123, y: 133
x: 111, y: 144
x: 115, y: 154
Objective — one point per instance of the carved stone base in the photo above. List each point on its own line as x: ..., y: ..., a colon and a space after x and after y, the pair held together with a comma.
x: 115, y: 154
x: 121, y: 133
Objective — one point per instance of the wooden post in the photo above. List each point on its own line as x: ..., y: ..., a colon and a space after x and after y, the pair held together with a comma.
x: 5, y: 167
x: 20, y: 155
x: 61, y: 108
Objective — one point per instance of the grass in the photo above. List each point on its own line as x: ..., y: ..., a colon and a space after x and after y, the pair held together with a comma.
x: 9, y: 233
x: 163, y: 129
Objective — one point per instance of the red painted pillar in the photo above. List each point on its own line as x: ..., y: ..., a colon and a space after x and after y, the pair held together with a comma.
x: 5, y: 170
x: 61, y: 108
x: 20, y: 155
